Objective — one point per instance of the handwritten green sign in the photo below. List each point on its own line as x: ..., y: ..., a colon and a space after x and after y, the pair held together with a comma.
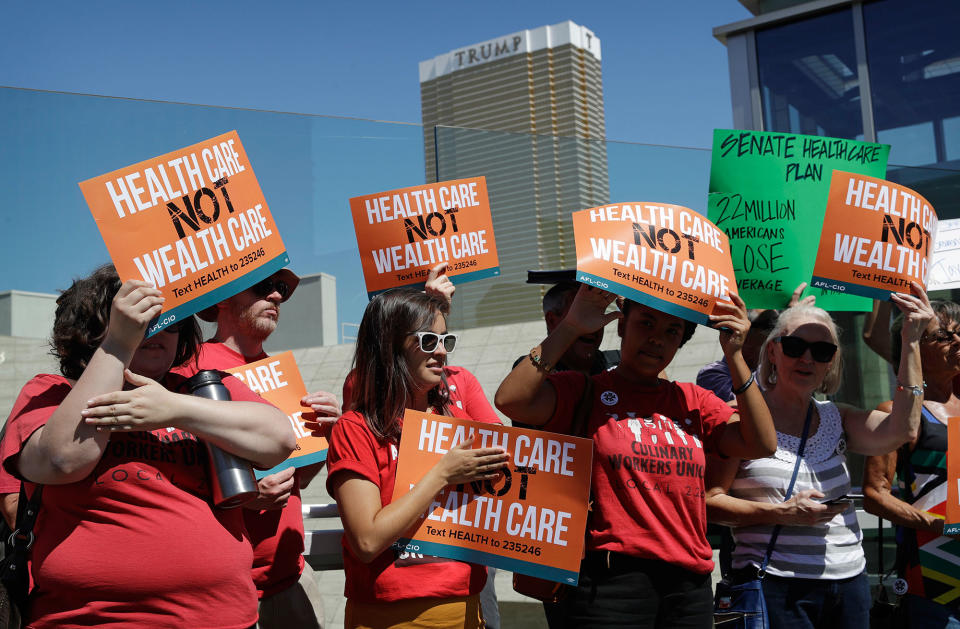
x: 768, y: 193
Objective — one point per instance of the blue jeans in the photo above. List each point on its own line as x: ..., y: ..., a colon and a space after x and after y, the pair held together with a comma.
x: 922, y: 612
x: 818, y: 603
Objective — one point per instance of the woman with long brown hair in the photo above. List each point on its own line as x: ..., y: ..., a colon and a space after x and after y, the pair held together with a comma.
x: 402, y: 346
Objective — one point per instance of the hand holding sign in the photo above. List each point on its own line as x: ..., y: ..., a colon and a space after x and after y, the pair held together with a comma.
x: 917, y: 313
x: 462, y: 464
x: 588, y: 311
x: 439, y: 284
x: 134, y: 306
x: 733, y: 324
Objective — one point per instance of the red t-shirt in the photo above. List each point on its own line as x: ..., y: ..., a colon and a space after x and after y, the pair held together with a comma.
x: 136, y: 543
x: 465, y: 392
x: 276, y: 535
x: 648, y: 460
x: 353, y: 447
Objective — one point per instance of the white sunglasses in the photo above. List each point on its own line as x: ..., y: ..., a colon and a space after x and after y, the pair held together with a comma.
x: 430, y: 340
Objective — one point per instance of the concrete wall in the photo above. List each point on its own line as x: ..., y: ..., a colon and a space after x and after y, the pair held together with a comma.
x: 309, y: 318
x: 26, y: 315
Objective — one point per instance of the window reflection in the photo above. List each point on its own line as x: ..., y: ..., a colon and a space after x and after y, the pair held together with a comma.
x: 808, y: 77
x: 913, y: 55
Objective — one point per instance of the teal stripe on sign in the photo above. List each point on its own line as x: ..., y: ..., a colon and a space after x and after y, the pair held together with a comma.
x: 847, y: 288
x: 643, y: 298
x: 299, y: 461
x: 229, y: 289
x: 489, y: 559
x: 462, y: 278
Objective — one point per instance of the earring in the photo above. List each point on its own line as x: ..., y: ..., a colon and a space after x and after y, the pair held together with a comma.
x: 772, y: 376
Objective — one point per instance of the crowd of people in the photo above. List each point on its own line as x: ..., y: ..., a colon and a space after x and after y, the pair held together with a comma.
x: 127, y: 534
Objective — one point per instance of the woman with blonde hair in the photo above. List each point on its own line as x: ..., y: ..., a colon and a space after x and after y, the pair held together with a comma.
x: 808, y: 547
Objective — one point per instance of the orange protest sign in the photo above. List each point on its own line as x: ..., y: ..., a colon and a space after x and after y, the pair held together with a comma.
x: 193, y: 223
x: 951, y: 525
x: 665, y: 256
x: 403, y: 233
x: 277, y: 380
x: 530, y: 520
x: 877, y: 236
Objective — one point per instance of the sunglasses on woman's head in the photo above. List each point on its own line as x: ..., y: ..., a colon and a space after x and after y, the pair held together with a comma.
x: 794, y: 347
x: 267, y: 286
x: 430, y: 340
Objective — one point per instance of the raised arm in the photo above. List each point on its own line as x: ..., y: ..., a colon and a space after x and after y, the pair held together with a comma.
x: 525, y: 395
x: 878, y: 472
x: 371, y: 527
x: 875, y: 432
x: 65, y: 449
x: 749, y: 434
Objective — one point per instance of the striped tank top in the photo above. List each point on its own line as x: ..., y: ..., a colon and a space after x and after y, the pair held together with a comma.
x: 929, y: 563
x: 827, y: 551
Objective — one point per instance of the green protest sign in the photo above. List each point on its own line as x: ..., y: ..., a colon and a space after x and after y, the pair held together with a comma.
x: 768, y: 193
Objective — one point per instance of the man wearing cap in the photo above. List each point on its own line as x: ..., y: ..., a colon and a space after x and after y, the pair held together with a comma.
x: 289, y: 596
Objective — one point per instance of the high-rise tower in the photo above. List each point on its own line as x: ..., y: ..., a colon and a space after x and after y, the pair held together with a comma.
x: 526, y: 111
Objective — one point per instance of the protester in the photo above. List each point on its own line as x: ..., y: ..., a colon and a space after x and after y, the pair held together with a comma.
x: 466, y: 393
x: 925, y: 559
x: 648, y: 562
x: 288, y: 593
x: 402, y: 346
x: 815, y: 576
x: 127, y: 535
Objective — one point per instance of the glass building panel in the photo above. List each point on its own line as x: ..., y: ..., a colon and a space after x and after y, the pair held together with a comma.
x: 808, y: 77
x: 913, y: 54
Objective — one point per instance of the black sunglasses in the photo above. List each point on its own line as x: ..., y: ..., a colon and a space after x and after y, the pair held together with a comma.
x: 268, y: 285
x: 794, y: 347
x: 942, y: 336
x: 430, y: 340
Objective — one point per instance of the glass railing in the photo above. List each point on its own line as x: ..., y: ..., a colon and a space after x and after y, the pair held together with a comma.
x: 309, y: 166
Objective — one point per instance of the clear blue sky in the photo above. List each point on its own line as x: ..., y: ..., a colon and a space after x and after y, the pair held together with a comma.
x: 665, y: 76
x: 665, y: 82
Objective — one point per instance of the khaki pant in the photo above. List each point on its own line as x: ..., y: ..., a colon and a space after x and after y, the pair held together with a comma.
x: 300, y: 606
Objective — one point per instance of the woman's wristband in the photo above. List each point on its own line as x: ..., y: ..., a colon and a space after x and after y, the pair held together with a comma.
x: 746, y: 385
x: 536, y: 357
x: 915, y: 389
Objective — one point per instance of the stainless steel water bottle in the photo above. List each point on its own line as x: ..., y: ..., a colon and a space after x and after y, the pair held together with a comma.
x: 230, y: 475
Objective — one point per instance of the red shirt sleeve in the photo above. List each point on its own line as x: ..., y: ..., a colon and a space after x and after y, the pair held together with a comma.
x: 714, y: 413
x: 36, y: 402
x: 569, y: 386
x: 352, y: 448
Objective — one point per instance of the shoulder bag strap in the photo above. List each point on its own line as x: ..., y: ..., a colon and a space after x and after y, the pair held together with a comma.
x: 793, y: 480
